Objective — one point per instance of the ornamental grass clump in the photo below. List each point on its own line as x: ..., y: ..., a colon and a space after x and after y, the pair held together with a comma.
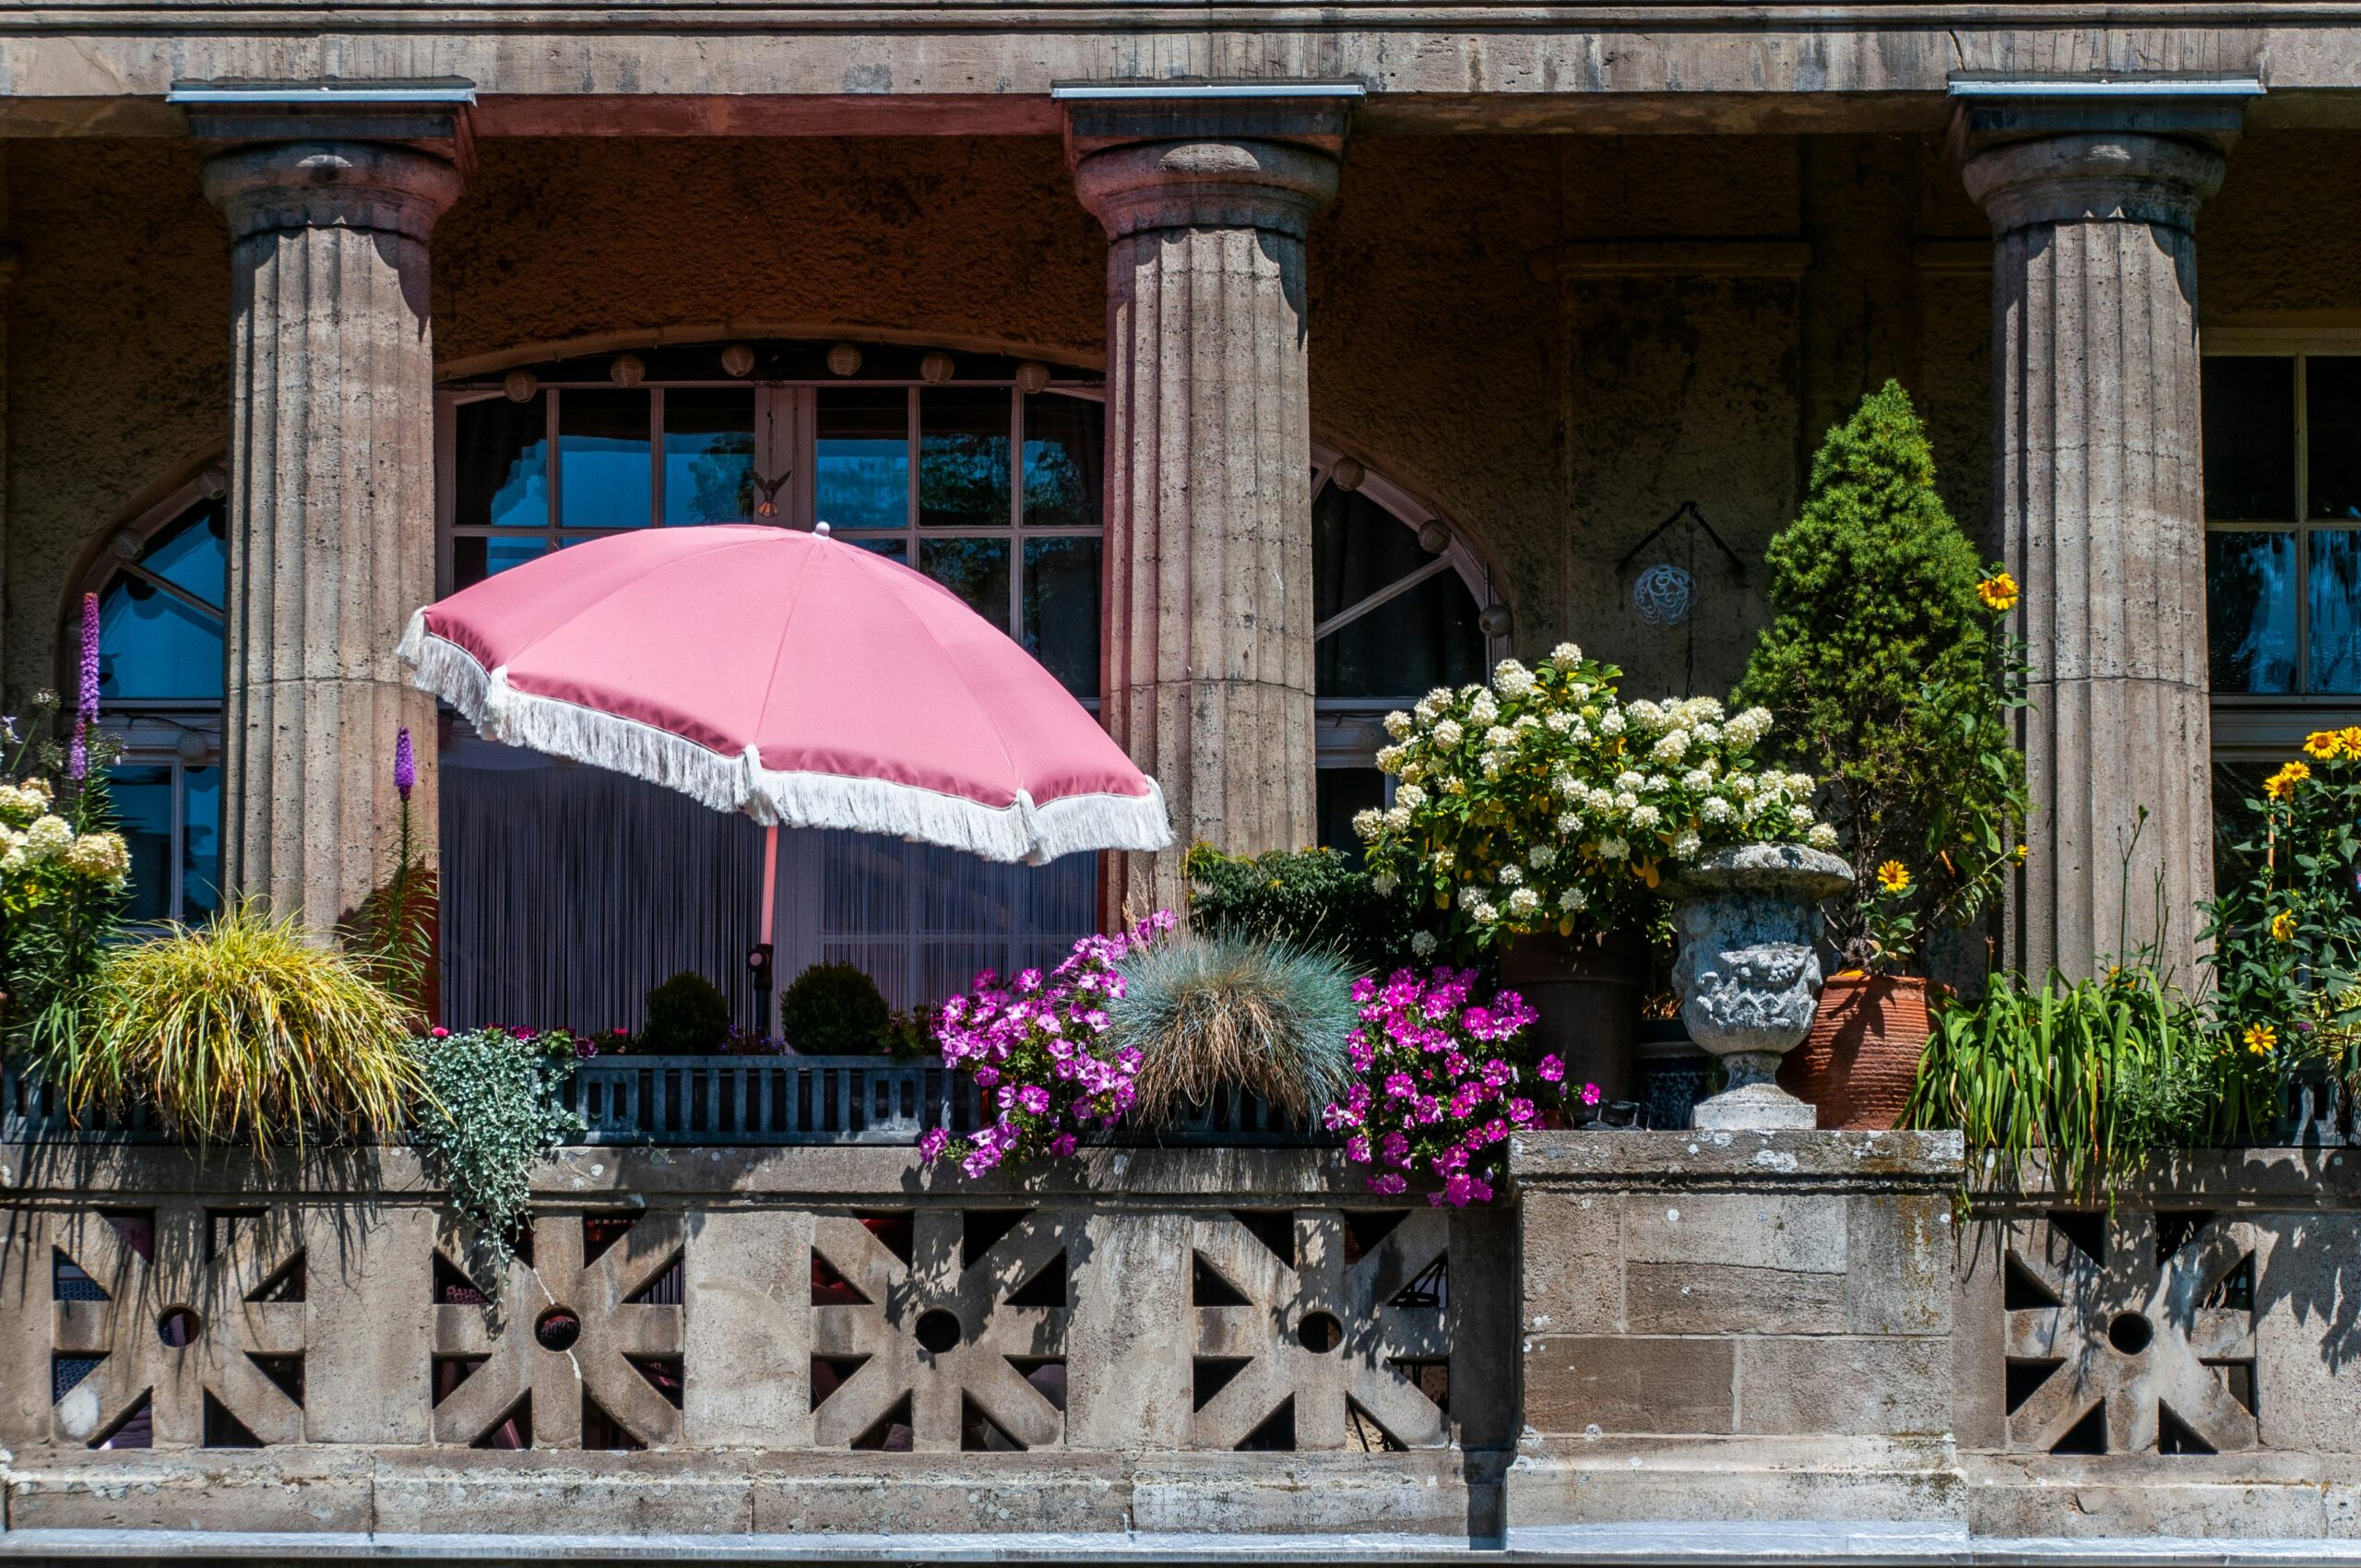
x: 1036, y: 1047
x: 1440, y: 1085
x: 245, y: 1027
x: 1206, y: 1013
x: 1887, y: 673
x: 1543, y: 801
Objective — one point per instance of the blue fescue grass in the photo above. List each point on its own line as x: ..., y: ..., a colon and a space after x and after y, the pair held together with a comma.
x: 1243, y: 1012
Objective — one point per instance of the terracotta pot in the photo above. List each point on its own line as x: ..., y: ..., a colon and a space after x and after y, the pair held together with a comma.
x: 1858, y: 1062
x: 1587, y: 991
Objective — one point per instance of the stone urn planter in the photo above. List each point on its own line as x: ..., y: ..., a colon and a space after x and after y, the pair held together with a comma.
x: 1748, y: 974
x: 1587, y: 991
x: 1862, y: 1058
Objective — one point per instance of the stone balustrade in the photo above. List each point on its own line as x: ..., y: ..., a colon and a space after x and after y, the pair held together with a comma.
x: 1708, y: 1338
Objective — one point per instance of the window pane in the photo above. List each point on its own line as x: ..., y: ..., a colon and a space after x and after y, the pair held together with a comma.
x: 602, y: 459
x: 154, y: 644
x: 190, y: 554
x: 2250, y: 610
x: 2250, y: 439
x: 708, y: 455
x: 1425, y: 639
x: 1342, y: 792
x: 1062, y: 609
x: 504, y: 464
x: 893, y: 549
x: 1357, y: 547
x: 201, y: 842
x: 473, y: 560
x: 1064, y: 440
x: 143, y: 809
x: 2335, y: 587
x: 2332, y: 435
x: 975, y: 569
x: 860, y: 476
x: 963, y: 458
x: 2236, y: 782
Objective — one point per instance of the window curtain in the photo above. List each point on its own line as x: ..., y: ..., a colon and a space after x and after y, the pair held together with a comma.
x: 568, y: 892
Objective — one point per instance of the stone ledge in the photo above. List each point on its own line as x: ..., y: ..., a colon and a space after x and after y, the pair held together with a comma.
x: 1885, y: 1162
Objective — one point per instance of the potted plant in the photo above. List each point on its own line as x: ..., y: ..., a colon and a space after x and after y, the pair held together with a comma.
x: 1537, y: 814
x: 1890, y: 678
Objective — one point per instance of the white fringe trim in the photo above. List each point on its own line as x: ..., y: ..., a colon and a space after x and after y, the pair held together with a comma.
x: 1020, y: 831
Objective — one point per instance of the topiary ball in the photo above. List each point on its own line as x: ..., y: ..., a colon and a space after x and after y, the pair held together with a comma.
x: 834, y: 1010
x: 687, y: 1016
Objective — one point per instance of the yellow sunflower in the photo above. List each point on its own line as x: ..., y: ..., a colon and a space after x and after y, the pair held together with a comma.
x: 2261, y: 1037
x: 1894, y: 877
x: 2349, y: 741
x: 2282, y: 926
x: 1999, y: 592
x: 2281, y: 784
x: 2323, y: 744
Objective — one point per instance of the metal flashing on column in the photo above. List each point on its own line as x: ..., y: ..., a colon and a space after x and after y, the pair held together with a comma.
x: 2106, y: 87
x: 329, y: 94
x: 1128, y: 93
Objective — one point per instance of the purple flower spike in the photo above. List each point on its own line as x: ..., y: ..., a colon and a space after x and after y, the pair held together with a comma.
x: 77, y: 754
x: 86, y: 708
x: 404, y: 765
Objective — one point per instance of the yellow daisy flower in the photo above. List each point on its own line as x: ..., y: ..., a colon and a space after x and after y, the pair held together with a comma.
x: 2260, y: 1038
x: 2349, y: 741
x: 1894, y: 877
x: 2282, y: 926
x: 2281, y: 784
x: 2323, y: 744
x: 1999, y: 592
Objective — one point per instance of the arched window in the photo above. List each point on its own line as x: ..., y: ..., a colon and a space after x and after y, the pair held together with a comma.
x: 161, y: 583
x: 1404, y: 605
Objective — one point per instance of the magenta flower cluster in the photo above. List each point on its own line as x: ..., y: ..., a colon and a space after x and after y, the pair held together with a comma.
x: 1439, y: 1087
x: 1032, y: 1046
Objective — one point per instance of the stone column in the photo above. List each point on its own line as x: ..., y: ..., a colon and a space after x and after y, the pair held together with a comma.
x: 1208, y: 615
x: 2098, y: 487
x: 332, y: 509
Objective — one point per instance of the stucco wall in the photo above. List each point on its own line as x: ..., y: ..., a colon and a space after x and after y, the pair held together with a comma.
x: 1556, y: 414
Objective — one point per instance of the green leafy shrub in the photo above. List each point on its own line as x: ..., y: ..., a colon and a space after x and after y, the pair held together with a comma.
x: 687, y: 1016
x: 1312, y: 899
x: 495, y: 1113
x: 2089, y: 1075
x: 834, y: 1010
x: 1238, y: 1011
x: 245, y: 1026
x: 1887, y: 679
x: 65, y: 875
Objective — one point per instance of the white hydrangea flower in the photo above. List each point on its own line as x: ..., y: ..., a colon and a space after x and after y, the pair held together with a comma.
x: 1541, y: 856
x: 1579, y: 691
x: 1823, y: 835
x: 1512, y: 679
x: 1685, y: 844
x: 1799, y: 814
x: 1653, y: 784
x: 1629, y: 779
x: 1706, y: 733
x: 1422, y: 943
x: 1443, y: 859
x: 1801, y: 785
x: 1569, y: 786
x: 1389, y: 759
x: 1412, y: 772
x: 1398, y: 818
x: 1560, y: 721
x: 1742, y: 784
x: 1523, y: 902
x: 1611, y: 722
x: 1481, y: 912
x: 1398, y: 724
x: 1577, y: 731
x: 1644, y: 714
x: 1432, y: 706
x: 1600, y: 800
x: 1566, y: 655
x: 1570, y: 822
x: 1409, y: 797
x: 1697, y: 779
x: 1449, y: 734
x: 1572, y: 898
x: 1369, y: 823
x: 47, y: 837
x: 1499, y: 736
x: 1613, y: 849
x: 1716, y: 809
x: 1625, y: 801
x: 1512, y: 874
x: 1384, y: 884
x: 1481, y: 708
x: 1645, y: 817
x: 1671, y: 746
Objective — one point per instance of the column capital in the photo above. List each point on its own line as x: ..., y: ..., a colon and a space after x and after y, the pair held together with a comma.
x: 324, y: 184
x: 1164, y: 156
x: 2035, y: 158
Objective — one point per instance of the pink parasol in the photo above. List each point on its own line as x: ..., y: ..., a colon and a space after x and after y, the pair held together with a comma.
x: 798, y: 678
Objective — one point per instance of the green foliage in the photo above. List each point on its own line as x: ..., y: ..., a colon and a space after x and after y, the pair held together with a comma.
x: 396, y: 923
x: 1234, y: 1010
x: 834, y: 1010
x: 687, y: 1016
x: 243, y: 1028
x: 2287, y: 939
x: 64, y: 881
x: 910, y: 1034
x: 494, y: 1114
x: 2089, y: 1075
x: 1889, y: 679
x: 1312, y: 899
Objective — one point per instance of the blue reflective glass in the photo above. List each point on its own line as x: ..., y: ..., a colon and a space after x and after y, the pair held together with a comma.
x: 201, y: 842
x: 473, y: 560
x: 504, y: 464
x: 603, y: 466
x: 191, y: 556
x: 861, y: 455
x: 143, y: 809
x: 2335, y: 589
x: 153, y: 644
x: 708, y: 455
x: 2250, y: 610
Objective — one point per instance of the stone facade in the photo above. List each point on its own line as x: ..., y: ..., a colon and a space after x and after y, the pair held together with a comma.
x: 1732, y: 1343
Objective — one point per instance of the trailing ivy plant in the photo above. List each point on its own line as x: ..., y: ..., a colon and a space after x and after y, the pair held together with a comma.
x: 495, y: 1114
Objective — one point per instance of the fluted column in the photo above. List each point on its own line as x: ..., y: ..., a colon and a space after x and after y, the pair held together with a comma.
x: 2099, y: 487
x: 1208, y: 617
x: 332, y: 509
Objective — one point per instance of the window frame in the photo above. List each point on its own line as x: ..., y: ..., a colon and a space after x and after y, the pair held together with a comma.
x: 2256, y: 726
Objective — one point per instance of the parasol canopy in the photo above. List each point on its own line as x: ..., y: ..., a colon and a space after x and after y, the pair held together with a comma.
x: 800, y: 679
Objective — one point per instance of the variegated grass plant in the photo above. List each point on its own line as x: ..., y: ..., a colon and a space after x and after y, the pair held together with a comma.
x: 244, y: 1027
x: 1227, y: 1010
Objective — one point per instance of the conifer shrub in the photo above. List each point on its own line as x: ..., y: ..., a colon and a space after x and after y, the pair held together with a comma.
x: 1889, y: 675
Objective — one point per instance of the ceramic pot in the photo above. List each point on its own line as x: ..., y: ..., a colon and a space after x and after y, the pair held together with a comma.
x: 1748, y: 974
x: 1862, y: 1058
x: 1587, y: 991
